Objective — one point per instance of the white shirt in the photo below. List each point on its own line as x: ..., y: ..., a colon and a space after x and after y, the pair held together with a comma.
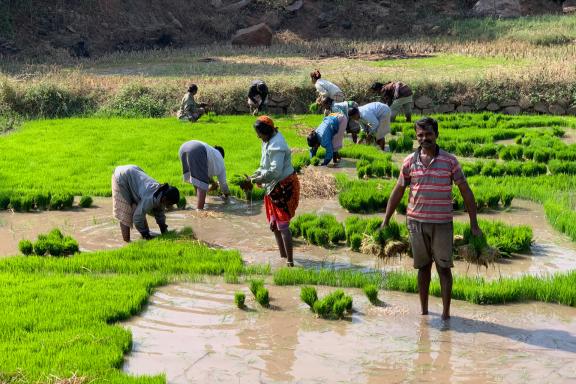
x: 216, y: 166
x: 326, y: 88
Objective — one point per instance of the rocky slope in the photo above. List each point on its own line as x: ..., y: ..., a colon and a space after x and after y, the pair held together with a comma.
x: 90, y: 28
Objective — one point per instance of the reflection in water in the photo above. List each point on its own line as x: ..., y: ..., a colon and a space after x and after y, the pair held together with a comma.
x: 193, y: 333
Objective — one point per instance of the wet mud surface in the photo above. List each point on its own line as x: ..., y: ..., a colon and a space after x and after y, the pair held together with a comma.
x: 242, y: 226
x: 194, y: 334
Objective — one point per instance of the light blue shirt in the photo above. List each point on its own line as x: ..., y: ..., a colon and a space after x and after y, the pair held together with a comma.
x: 275, y: 163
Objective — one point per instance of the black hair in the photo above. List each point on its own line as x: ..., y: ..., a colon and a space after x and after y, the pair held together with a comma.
x: 192, y: 88
x: 172, y: 194
x: 427, y: 123
x: 219, y: 149
x: 376, y: 86
x: 315, y: 74
x: 353, y: 111
x: 313, y: 139
x: 263, y: 128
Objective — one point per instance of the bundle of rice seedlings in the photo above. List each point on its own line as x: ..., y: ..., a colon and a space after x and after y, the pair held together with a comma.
x: 239, y: 298
x: 485, y: 256
x: 370, y: 246
x: 315, y: 184
x: 395, y: 248
x: 459, y: 241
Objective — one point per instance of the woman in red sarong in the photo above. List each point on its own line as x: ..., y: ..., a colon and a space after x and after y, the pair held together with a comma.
x: 276, y: 175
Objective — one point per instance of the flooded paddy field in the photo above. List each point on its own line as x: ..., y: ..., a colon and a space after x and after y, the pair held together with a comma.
x: 194, y: 333
x: 242, y: 226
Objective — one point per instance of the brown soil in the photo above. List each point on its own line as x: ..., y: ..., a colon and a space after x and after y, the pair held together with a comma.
x: 194, y: 333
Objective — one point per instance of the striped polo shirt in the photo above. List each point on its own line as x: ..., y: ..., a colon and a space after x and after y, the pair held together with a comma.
x: 430, y: 199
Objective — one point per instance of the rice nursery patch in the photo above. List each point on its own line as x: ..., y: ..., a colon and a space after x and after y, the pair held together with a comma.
x: 54, y: 157
x: 321, y: 230
x: 371, y: 292
x: 331, y: 306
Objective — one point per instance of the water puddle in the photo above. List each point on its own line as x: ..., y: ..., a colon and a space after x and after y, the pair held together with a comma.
x: 194, y: 333
x: 243, y: 226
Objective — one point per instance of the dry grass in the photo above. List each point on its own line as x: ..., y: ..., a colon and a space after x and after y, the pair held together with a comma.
x: 316, y: 183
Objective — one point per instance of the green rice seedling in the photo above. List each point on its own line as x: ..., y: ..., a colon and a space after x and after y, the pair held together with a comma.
x: 328, y: 277
x: 371, y: 292
x: 70, y: 246
x: 86, y: 202
x: 231, y: 277
x: 562, y: 167
x: 315, y: 161
x: 26, y: 247
x: 255, y: 285
x: 493, y: 199
x: 465, y: 149
x: 511, y: 152
x: 309, y: 296
x: 4, y: 201
x: 356, y: 242
x: 182, y: 202
x: 506, y: 238
x: 239, y: 298
x: 300, y: 160
x: 61, y: 201
x: 542, y: 155
x: 393, y: 145
x: 486, y: 150
x: 42, y: 201
x: 262, y: 297
x: 41, y: 247
x: 531, y: 168
x: 506, y: 199
x: 333, y: 305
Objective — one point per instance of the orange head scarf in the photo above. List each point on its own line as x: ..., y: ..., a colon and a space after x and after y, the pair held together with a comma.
x: 266, y: 120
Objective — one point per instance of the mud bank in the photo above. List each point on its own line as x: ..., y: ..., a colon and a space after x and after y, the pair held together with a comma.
x: 193, y: 333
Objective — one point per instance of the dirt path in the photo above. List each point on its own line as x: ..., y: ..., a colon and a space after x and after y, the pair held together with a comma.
x: 194, y: 333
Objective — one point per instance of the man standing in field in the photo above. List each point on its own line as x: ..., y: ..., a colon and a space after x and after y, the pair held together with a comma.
x: 397, y: 95
x: 430, y: 172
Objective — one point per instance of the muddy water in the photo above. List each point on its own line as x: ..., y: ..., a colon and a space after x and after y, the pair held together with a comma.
x: 243, y: 226
x: 194, y: 334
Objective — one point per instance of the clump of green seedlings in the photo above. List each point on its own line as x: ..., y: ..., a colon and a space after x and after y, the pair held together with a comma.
x: 504, y: 238
x: 371, y: 292
x: 366, y: 196
x: 332, y: 306
x: 53, y: 243
x: 182, y: 202
x: 239, y: 299
x: 403, y: 143
x: 85, y: 202
x: 61, y: 201
x: 243, y: 182
x: 260, y: 292
x: 321, y: 230
x: 26, y: 202
x: 366, y: 236
x: 376, y: 168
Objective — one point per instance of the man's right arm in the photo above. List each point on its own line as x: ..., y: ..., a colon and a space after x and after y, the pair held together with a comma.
x: 393, y: 201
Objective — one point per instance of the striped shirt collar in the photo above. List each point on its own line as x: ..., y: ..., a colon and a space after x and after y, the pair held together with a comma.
x: 419, y: 150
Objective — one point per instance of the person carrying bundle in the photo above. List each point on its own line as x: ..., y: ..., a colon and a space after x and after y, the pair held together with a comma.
x: 330, y: 135
x: 377, y: 116
x: 257, y: 97
x: 189, y: 109
x: 277, y: 176
x: 325, y: 89
x: 430, y: 173
x: 397, y: 95
x: 135, y: 194
x: 200, y: 163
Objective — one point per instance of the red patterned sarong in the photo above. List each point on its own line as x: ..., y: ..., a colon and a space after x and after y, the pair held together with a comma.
x: 282, y: 202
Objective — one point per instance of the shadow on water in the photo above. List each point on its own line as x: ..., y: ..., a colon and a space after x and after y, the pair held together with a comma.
x: 543, y: 338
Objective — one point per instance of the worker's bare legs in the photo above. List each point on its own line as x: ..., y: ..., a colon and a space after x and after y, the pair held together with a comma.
x: 125, y: 232
x: 354, y: 138
x: 288, y: 247
x: 280, y: 243
x: 381, y: 143
x: 201, y: 195
x: 408, y: 117
x: 445, y: 289
x: 424, y: 276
